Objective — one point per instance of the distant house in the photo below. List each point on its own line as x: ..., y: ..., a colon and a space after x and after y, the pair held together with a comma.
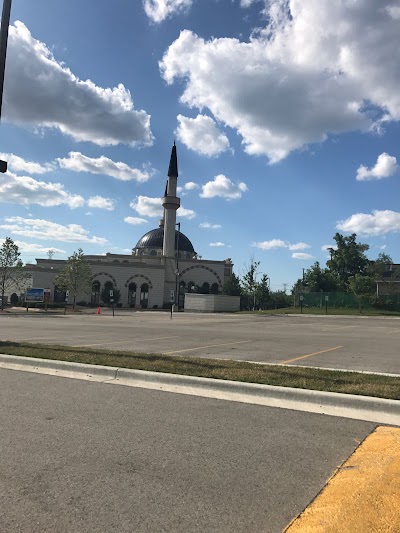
x: 389, y: 284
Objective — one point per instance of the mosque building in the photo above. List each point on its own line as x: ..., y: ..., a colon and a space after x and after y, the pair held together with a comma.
x: 163, y: 264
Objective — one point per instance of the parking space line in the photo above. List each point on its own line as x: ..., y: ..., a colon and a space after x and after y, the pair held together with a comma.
x: 125, y: 341
x: 395, y: 331
x: 201, y: 347
x: 309, y: 355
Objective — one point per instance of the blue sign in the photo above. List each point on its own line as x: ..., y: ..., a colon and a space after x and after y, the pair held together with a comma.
x: 34, y: 295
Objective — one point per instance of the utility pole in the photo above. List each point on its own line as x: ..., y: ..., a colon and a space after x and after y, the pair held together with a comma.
x: 5, y: 23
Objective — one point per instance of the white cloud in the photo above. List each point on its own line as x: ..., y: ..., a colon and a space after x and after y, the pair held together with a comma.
x: 299, y: 246
x: 152, y: 207
x: 300, y: 255
x: 217, y: 244
x: 18, y: 164
x: 191, y: 185
x: 78, y: 162
x: 40, y: 91
x: 186, y: 213
x: 386, y: 165
x: 318, y: 67
x: 147, y: 206
x: 378, y: 223
x: 136, y: 221
x: 270, y: 245
x: 28, y: 247
x: 159, y: 10
x: 223, y: 187
x: 25, y: 190
x: 207, y: 225
x: 201, y: 135
x: 99, y: 202
x: 46, y: 230
x: 278, y: 243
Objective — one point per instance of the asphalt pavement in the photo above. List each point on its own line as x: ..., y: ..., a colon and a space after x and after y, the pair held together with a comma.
x: 79, y: 456
x: 351, y: 343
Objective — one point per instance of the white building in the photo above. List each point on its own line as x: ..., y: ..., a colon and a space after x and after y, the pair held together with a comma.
x: 162, y: 261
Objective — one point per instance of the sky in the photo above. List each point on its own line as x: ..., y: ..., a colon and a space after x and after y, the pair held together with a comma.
x: 286, y: 116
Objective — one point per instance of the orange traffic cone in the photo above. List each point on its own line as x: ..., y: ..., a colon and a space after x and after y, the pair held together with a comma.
x: 98, y: 310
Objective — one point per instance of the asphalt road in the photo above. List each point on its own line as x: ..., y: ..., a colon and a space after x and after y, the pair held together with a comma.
x: 369, y: 344
x: 78, y: 456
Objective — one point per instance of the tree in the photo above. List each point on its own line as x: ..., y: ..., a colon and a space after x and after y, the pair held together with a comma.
x: 318, y: 279
x: 76, y: 276
x: 348, y: 259
x: 204, y: 288
x: 214, y: 289
x: 11, y: 268
x: 105, y: 293
x: 362, y: 286
x: 262, y: 292
x: 232, y: 286
x: 249, y: 283
x: 379, y: 266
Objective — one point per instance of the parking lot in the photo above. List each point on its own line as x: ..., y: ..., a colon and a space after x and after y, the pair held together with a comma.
x: 351, y: 343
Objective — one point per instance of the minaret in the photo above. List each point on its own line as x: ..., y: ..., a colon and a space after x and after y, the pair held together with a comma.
x: 170, y: 204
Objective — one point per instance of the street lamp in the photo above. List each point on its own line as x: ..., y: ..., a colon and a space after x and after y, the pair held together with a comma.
x: 5, y: 23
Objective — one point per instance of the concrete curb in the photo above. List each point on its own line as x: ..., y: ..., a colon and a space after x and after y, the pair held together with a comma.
x: 329, y: 403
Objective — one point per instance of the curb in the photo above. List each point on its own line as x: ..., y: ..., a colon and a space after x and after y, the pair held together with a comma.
x: 330, y: 403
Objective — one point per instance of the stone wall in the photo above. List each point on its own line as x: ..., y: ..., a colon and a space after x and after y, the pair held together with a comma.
x: 211, y: 303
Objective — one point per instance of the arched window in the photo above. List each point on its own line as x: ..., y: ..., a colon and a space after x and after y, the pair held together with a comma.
x: 153, y: 252
x: 132, y: 294
x: 144, y: 295
x: 95, y: 296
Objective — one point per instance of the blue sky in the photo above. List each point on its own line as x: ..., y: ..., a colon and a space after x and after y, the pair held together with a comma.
x: 285, y: 113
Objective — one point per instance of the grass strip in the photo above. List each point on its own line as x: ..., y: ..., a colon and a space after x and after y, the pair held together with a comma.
x: 321, y: 311
x: 283, y: 376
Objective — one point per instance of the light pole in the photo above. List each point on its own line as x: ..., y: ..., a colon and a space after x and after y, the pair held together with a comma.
x: 5, y: 23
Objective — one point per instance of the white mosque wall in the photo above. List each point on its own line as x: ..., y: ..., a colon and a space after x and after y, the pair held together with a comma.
x: 211, y: 303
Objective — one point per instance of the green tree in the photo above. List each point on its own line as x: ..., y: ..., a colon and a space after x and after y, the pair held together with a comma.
x: 11, y: 268
x: 379, y: 266
x: 105, y: 293
x: 214, y: 289
x: 249, y: 284
x: 348, y: 258
x: 232, y: 286
x: 362, y: 286
x: 204, y: 288
x: 318, y: 279
x: 262, y: 292
x: 280, y: 299
x: 76, y: 276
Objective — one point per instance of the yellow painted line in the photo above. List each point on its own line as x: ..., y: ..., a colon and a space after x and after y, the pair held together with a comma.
x: 309, y: 355
x: 202, y: 347
x: 125, y: 341
x: 363, y: 495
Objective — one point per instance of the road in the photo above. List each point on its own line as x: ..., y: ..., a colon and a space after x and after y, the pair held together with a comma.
x: 79, y: 456
x: 369, y: 344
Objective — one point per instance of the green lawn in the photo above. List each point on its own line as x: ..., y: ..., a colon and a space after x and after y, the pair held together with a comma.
x: 331, y: 311
x: 278, y: 375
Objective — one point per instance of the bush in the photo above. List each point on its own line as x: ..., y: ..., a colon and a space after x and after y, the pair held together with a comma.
x: 14, y: 299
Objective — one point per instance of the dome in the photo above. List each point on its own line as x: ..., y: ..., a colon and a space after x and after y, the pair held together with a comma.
x: 154, y: 239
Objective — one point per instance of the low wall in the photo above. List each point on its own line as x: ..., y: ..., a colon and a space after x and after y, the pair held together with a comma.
x: 211, y: 303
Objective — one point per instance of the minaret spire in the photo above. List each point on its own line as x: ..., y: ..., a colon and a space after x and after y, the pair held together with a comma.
x: 170, y: 204
x: 173, y: 164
